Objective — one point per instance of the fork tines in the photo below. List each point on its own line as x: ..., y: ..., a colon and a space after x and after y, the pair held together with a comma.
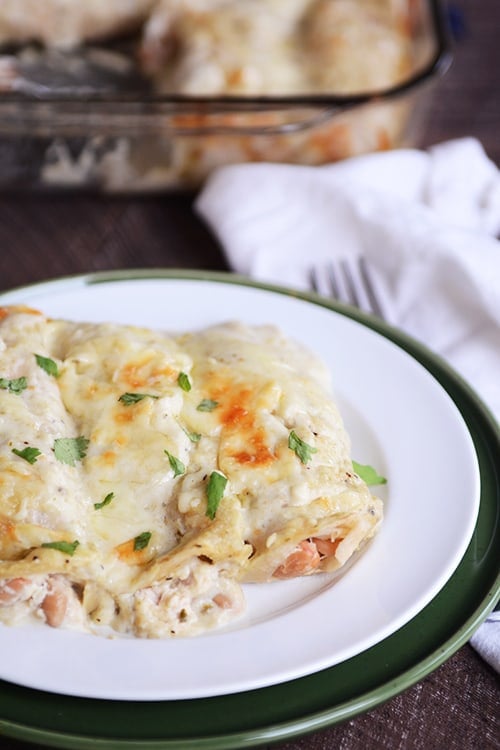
x: 347, y: 281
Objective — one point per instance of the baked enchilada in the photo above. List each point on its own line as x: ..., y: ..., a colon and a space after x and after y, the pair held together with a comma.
x: 144, y: 477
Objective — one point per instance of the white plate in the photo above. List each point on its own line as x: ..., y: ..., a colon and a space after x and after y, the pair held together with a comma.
x: 400, y: 419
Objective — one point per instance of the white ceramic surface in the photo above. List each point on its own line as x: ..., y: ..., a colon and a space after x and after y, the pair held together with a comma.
x: 400, y: 420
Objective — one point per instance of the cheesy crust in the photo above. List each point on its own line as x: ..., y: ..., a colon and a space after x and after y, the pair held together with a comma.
x: 271, y: 47
x: 144, y: 477
x: 66, y: 23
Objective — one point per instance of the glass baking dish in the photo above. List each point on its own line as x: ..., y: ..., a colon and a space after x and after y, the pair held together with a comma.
x: 87, y: 118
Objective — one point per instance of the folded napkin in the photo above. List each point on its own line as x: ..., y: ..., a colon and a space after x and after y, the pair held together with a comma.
x: 486, y: 640
x: 426, y: 222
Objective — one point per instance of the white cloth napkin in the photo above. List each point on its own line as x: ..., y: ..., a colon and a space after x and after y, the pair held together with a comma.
x: 425, y: 221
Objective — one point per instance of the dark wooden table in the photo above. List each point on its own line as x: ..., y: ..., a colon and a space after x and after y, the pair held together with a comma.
x: 457, y: 706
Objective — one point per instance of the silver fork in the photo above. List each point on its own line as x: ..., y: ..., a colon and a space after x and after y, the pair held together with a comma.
x: 348, y: 281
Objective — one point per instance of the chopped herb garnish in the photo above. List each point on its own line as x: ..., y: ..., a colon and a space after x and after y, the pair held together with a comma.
x: 184, y: 382
x: 207, y: 405
x: 29, y: 454
x: 142, y: 541
x: 106, y: 501
x: 69, y: 548
x: 176, y: 465
x: 17, y: 385
x: 48, y: 365
x: 368, y: 474
x: 300, y: 448
x: 70, y: 450
x: 195, y: 437
x: 132, y: 398
x: 215, y: 492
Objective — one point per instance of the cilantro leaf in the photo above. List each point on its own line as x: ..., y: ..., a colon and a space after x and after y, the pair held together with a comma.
x: 142, y: 541
x: 195, y: 437
x: 48, y: 365
x: 69, y: 548
x: 70, y: 450
x: 207, y: 405
x: 184, y: 382
x: 29, y: 454
x: 368, y: 474
x: 301, y: 449
x: 132, y: 398
x: 215, y: 492
x: 106, y: 501
x: 17, y: 385
x: 176, y: 465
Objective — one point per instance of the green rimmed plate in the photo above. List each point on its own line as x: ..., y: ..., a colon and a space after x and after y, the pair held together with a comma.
x: 317, y: 700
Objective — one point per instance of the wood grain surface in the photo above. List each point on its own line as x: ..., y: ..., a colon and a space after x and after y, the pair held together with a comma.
x: 44, y: 236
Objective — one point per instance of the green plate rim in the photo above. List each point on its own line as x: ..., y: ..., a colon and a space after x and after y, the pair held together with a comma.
x: 311, y: 703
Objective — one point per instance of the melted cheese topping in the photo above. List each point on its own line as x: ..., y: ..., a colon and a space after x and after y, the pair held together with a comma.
x: 210, y: 47
x: 105, y: 470
x: 66, y: 23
